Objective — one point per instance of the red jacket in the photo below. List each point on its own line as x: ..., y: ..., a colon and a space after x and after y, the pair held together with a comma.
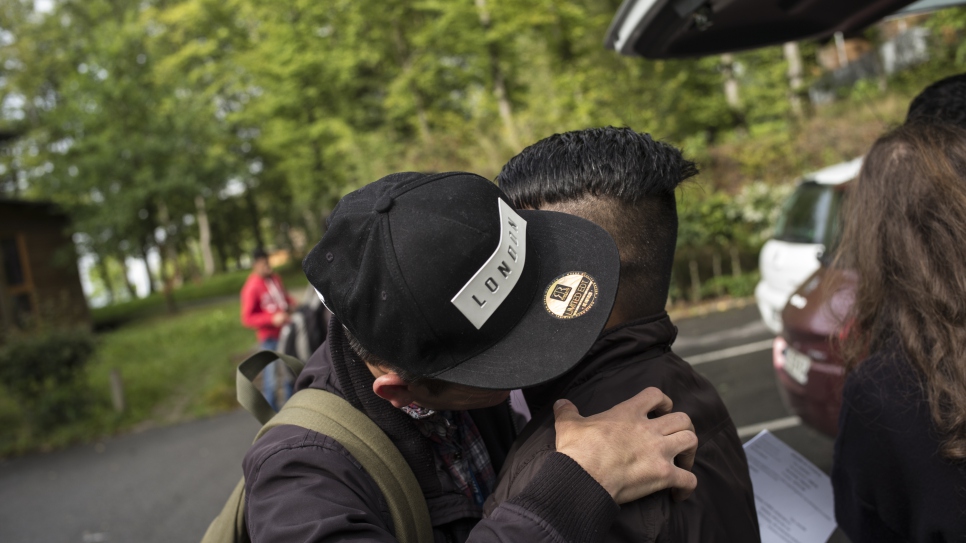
x: 259, y: 303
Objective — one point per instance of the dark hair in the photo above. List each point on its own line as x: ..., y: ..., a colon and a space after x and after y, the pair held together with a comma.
x: 904, y: 232
x: 258, y: 254
x: 620, y: 179
x: 943, y: 101
x: 433, y: 386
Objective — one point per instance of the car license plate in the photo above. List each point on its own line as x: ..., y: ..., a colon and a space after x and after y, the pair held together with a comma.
x: 797, y: 365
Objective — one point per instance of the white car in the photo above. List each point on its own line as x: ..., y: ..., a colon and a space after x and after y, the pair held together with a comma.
x: 808, y: 224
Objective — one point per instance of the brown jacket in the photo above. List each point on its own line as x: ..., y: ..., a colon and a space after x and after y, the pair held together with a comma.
x: 624, y: 361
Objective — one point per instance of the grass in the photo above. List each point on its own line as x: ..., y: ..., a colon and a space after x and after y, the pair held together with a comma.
x: 174, y: 368
x: 222, y: 285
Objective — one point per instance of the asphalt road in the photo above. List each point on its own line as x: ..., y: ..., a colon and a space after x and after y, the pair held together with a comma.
x: 166, y: 484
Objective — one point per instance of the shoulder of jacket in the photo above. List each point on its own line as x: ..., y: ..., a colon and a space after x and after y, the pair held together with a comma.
x: 526, y: 461
x: 297, y: 445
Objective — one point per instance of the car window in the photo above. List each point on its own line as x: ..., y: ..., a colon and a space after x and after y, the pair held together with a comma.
x: 834, y: 233
x: 810, y: 215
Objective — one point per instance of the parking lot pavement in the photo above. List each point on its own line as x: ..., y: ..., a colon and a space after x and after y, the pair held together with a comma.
x: 160, y: 485
x: 166, y: 484
x: 733, y: 350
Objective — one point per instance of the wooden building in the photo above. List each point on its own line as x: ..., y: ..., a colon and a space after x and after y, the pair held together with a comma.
x: 39, y: 281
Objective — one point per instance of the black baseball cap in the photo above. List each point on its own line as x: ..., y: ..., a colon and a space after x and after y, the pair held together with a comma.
x: 441, y: 276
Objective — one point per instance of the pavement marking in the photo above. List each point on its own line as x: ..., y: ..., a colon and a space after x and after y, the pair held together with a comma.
x: 745, y: 331
x: 730, y: 352
x: 772, y: 425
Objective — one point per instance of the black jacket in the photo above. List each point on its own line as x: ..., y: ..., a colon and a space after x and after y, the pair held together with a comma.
x: 302, y: 486
x: 890, y: 482
x: 624, y: 361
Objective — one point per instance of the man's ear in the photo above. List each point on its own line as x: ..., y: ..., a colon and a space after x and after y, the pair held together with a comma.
x: 391, y: 387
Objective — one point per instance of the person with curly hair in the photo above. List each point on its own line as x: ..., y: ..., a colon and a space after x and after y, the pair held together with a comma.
x: 900, y: 457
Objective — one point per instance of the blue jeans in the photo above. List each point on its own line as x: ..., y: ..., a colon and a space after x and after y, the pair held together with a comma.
x: 269, y: 384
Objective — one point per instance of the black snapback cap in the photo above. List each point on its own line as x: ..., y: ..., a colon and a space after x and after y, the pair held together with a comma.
x: 441, y: 276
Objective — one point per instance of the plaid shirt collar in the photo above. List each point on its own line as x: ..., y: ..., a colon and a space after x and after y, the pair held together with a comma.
x: 459, y: 449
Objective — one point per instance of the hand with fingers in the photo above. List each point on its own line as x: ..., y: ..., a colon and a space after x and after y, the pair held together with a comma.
x: 628, y: 453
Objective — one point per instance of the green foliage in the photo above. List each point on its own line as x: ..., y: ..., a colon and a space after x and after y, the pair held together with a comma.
x: 720, y: 220
x: 173, y: 368
x: 217, y: 287
x: 742, y: 286
x: 950, y: 25
x: 131, y: 112
x: 45, y: 373
x: 728, y: 227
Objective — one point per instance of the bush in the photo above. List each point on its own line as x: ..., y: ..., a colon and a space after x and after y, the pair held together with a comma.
x: 223, y: 285
x: 44, y: 373
x: 742, y: 286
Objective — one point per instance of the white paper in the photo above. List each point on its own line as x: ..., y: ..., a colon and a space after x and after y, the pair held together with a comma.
x: 793, y: 497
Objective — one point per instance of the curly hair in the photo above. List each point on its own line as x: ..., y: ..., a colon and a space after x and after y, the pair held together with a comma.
x: 905, y: 236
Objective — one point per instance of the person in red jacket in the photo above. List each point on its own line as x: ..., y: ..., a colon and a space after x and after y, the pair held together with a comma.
x: 265, y: 306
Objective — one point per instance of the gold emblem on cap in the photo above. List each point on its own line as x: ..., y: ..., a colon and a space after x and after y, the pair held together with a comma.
x: 570, y: 295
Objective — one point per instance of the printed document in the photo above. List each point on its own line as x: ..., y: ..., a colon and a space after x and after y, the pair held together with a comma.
x: 793, y: 497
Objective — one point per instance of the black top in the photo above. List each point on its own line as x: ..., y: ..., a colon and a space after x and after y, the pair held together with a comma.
x: 890, y: 482
x: 305, y: 487
x: 625, y: 360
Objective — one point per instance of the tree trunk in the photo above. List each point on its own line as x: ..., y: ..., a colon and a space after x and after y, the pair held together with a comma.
x: 840, y: 49
x: 169, y: 246
x: 106, y: 278
x: 421, y: 119
x: 237, y: 252
x: 735, y: 262
x: 254, y: 218
x: 499, y: 80
x: 794, y: 57
x: 296, y: 240
x: 314, y: 226
x: 165, y: 251
x: 131, y: 291
x: 166, y: 288
x: 204, y: 236
x: 730, y: 82
x: 147, y: 268
x: 716, y: 270
x: 191, y: 265
x: 218, y: 240
x: 695, y: 281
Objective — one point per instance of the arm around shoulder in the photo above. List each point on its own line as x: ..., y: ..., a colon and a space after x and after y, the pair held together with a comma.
x: 562, y: 503
x: 305, y: 487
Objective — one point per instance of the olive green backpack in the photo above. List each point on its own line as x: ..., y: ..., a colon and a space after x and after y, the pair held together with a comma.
x: 331, y: 415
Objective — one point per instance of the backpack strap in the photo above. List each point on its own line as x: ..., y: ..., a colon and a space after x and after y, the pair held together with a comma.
x: 328, y: 414
x: 229, y: 525
x: 248, y: 394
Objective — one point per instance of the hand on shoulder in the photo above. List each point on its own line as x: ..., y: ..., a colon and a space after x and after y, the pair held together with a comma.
x: 629, y: 454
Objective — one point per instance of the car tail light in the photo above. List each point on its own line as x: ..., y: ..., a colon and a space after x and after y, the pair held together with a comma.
x: 778, y: 352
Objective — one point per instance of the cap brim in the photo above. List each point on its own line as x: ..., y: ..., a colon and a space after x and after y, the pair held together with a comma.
x: 543, y: 346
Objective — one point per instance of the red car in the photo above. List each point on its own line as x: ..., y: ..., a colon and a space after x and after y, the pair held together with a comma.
x: 808, y: 366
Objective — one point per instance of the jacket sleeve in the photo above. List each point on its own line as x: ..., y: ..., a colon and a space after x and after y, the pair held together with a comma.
x: 562, y: 503
x: 249, y: 303
x: 722, y: 509
x: 307, y: 488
